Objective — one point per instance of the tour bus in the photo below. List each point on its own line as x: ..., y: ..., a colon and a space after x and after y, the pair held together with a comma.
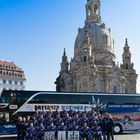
x: 125, y: 108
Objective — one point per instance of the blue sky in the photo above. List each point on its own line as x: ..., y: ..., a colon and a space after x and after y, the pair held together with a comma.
x: 33, y: 34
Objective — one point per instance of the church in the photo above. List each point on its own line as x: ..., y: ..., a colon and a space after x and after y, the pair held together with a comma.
x: 93, y: 67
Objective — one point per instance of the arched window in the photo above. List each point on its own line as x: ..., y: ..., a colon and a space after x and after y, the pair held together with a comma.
x: 89, y: 11
x: 85, y: 86
x: 114, y: 89
x: 9, y: 73
x: 106, y: 39
x: 3, y: 73
x: 126, y: 66
x: 85, y: 58
x: 95, y: 9
x: 126, y: 90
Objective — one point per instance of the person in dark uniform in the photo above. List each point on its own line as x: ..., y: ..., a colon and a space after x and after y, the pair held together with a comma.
x: 40, y: 131
x: 19, y: 128
x: 79, y: 112
x: 62, y: 127
x: 41, y: 119
x: 63, y: 112
x: 30, y: 133
x: 55, y: 113
x: 96, y: 132
x: 36, y: 115
x: 43, y: 112
x: 67, y: 120
x: 49, y: 120
x: 52, y: 128
x: 48, y: 112
x: 91, y: 112
x: 110, y: 128
x: 71, y: 111
x: 35, y: 121
x: 73, y: 127
x: 92, y: 119
x: 84, y: 120
x: 28, y: 119
x: 58, y: 121
x: 84, y: 132
x: 24, y: 126
x: 103, y: 125
x: 85, y: 112
x: 76, y: 119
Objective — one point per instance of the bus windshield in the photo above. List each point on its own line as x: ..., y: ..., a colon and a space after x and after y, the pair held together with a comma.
x: 5, y: 98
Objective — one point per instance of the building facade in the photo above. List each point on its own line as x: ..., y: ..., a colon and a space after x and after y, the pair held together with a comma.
x: 11, y: 76
x: 93, y: 67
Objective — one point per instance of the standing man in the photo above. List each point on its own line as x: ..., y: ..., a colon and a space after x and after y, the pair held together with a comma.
x: 103, y: 125
x: 19, y: 132
x: 40, y: 131
x: 110, y: 128
x: 84, y: 132
x: 30, y: 132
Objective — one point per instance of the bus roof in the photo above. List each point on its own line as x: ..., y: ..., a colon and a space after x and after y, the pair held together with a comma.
x: 70, y: 93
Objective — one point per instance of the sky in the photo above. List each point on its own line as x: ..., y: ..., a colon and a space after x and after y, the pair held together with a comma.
x: 34, y: 33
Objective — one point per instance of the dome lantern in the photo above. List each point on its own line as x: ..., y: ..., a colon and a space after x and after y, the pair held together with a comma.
x: 93, y: 11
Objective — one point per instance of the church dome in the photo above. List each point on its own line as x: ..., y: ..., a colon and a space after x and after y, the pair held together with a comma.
x: 92, y: 69
x: 102, y: 37
x: 99, y: 36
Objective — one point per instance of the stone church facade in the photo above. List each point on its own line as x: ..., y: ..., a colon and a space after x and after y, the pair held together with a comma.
x: 93, y: 67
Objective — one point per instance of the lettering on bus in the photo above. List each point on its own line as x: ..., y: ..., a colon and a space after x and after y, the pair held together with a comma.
x: 124, y: 106
x: 46, y: 107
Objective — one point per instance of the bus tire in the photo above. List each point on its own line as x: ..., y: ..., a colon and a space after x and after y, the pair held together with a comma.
x: 117, y: 128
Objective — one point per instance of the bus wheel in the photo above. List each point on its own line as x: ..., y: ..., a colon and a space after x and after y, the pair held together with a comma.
x: 117, y: 129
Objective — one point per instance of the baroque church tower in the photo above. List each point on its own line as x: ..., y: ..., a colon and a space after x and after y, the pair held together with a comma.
x: 93, y: 67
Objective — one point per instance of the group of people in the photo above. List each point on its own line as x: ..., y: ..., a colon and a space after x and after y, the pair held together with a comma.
x: 90, y: 124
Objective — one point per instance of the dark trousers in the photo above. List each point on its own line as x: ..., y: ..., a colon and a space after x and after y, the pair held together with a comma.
x: 110, y: 135
x: 83, y: 136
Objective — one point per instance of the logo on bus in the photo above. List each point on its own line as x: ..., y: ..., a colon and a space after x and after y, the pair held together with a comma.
x: 13, y: 106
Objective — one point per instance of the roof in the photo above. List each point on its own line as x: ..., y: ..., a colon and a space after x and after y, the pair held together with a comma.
x: 9, y: 65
